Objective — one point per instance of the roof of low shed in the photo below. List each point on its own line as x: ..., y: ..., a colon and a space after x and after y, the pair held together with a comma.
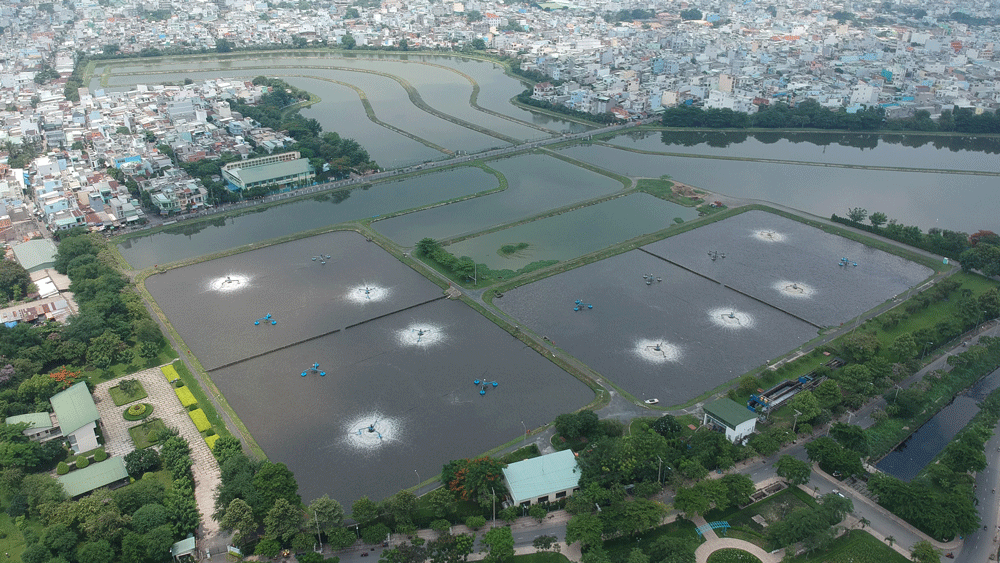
x: 542, y: 475
x: 729, y: 412
x: 94, y: 476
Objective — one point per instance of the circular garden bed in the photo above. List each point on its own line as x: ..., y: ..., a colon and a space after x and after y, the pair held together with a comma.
x: 732, y: 555
x: 138, y: 411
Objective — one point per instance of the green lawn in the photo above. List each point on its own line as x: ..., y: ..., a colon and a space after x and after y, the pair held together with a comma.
x: 541, y: 557
x: 166, y: 355
x: 730, y: 555
x: 934, y: 312
x: 663, y: 189
x: 121, y: 398
x: 12, y: 539
x: 140, y: 433
x: 521, y: 454
x: 857, y: 546
x: 773, y: 508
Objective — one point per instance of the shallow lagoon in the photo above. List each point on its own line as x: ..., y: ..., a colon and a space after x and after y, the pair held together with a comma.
x: 575, y: 233
x: 535, y: 184
x: 947, y: 201
x: 189, y: 240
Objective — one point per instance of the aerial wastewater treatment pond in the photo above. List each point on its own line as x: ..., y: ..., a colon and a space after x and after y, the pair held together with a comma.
x: 681, y: 316
x: 368, y: 378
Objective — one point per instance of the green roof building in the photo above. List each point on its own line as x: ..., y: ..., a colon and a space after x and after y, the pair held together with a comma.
x: 81, y: 481
x: 40, y: 425
x: 547, y: 478
x: 36, y: 255
x: 274, y: 172
x: 737, y: 420
x: 77, y: 415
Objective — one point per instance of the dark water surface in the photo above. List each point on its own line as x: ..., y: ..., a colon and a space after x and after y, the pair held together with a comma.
x: 793, y: 253
x: 946, y: 201
x: 684, y: 312
x: 306, y: 297
x: 420, y: 397
x: 909, y: 459
x: 417, y: 389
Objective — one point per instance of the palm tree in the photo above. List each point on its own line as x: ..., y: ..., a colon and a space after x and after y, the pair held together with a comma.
x: 891, y: 540
x: 864, y: 522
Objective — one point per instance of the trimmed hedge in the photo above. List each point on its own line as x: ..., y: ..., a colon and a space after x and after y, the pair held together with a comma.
x: 200, y: 420
x: 138, y: 411
x: 62, y: 468
x: 186, y: 397
x: 100, y: 455
x: 210, y: 440
x: 81, y: 462
x: 170, y: 373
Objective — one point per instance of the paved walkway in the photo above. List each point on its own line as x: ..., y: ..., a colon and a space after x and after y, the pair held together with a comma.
x: 167, y: 407
x: 704, y: 550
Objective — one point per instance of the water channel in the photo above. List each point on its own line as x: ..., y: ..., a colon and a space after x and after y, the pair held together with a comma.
x: 910, y: 458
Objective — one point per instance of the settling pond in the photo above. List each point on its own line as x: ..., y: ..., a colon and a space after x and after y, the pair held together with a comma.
x: 575, y: 233
x: 192, y: 239
x: 536, y: 183
x: 409, y: 374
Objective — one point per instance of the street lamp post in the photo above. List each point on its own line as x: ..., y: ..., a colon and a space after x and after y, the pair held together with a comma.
x: 924, y: 353
x: 659, y: 472
x: 525, y: 431
x: 981, y: 315
x: 418, y: 477
x: 896, y: 396
x: 795, y: 424
x: 319, y: 536
x: 494, y: 507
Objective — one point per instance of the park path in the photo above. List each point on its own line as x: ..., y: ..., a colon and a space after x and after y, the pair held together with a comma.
x: 704, y: 550
x: 167, y: 407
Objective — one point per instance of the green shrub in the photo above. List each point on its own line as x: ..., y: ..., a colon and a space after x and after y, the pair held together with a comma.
x: 441, y: 525
x: 62, y: 468
x: 210, y: 440
x: 200, y: 420
x: 475, y: 522
x: 186, y: 397
x: 179, y: 383
x: 81, y: 462
x: 138, y: 411
x: 170, y: 373
x: 268, y: 548
x: 100, y: 455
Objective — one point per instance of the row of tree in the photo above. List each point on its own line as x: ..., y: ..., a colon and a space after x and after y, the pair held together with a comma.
x: 809, y: 114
